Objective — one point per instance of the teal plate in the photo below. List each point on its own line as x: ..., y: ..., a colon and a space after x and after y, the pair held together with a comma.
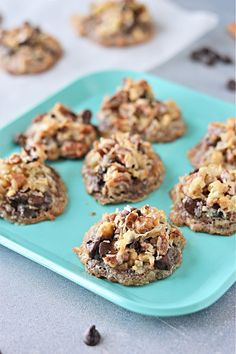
x: 208, y: 268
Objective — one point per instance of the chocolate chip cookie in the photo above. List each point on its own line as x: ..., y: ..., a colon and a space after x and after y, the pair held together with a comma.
x: 132, y: 246
x: 60, y: 133
x: 116, y: 23
x: 122, y: 168
x: 218, y: 146
x: 135, y: 109
x: 30, y: 191
x: 205, y: 200
x: 28, y: 50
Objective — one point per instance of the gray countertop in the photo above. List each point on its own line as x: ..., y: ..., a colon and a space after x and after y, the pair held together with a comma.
x: 43, y: 313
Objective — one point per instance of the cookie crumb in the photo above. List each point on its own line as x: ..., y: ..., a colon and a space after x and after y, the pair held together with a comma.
x: 92, y: 337
x: 93, y: 213
x: 231, y: 85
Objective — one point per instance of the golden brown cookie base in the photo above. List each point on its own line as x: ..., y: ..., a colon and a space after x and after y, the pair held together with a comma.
x: 218, y: 227
x: 170, y: 133
x: 100, y: 270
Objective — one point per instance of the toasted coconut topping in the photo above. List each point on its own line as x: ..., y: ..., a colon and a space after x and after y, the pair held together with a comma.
x: 135, y: 239
x: 135, y: 109
x: 60, y: 133
x: 25, y: 171
x: 120, y: 166
x: 218, y: 146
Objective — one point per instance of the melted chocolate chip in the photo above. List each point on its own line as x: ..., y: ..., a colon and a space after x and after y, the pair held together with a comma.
x: 20, y: 139
x: 29, y: 205
x: 136, y: 246
x: 169, y: 259
x: 193, y: 206
x: 104, y: 248
x: 92, y: 337
x: 92, y: 247
x: 86, y: 116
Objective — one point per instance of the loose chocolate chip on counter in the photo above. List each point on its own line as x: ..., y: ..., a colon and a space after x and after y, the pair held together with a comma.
x: 93, y: 213
x: 86, y: 116
x: 92, y: 337
x: 210, y: 57
x: 231, y: 85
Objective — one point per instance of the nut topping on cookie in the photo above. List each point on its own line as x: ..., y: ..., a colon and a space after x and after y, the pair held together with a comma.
x: 30, y: 191
x: 134, y: 109
x: 217, y: 147
x: 142, y: 248
x: 122, y: 168
x: 206, y: 200
x: 60, y: 133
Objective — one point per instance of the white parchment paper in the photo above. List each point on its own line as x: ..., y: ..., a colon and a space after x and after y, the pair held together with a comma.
x: 176, y: 29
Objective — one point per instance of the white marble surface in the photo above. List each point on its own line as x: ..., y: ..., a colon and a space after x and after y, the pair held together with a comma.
x: 43, y: 313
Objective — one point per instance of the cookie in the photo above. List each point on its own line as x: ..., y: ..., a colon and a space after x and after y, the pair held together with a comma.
x: 135, y: 109
x: 205, y: 200
x: 122, y: 168
x: 218, y: 146
x: 232, y: 29
x: 28, y: 50
x: 116, y: 23
x: 132, y: 246
x: 30, y: 191
x: 60, y: 133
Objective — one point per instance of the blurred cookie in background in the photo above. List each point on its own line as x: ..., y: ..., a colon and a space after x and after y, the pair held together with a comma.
x: 232, y: 29
x: 116, y: 23
x: 28, y: 50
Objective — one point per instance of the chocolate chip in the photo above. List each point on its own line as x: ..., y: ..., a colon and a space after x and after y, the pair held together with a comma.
x: 86, y: 116
x: 136, y: 246
x: 193, y: 206
x: 92, y: 337
x: 92, y: 247
x: 20, y: 139
x: 209, y: 56
x: 104, y: 248
x: 231, y: 85
x: 169, y: 259
x: 36, y: 200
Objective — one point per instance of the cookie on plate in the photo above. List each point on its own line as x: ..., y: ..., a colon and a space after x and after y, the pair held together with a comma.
x: 218, y: 146
x: 205, y: 200
x: 116, y: 23
x: 30, y: 191
x: 28, y: 50
x: 60, y: 133
x: 122, y: 168
x: 132, y: 246
x: 135, y: 109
